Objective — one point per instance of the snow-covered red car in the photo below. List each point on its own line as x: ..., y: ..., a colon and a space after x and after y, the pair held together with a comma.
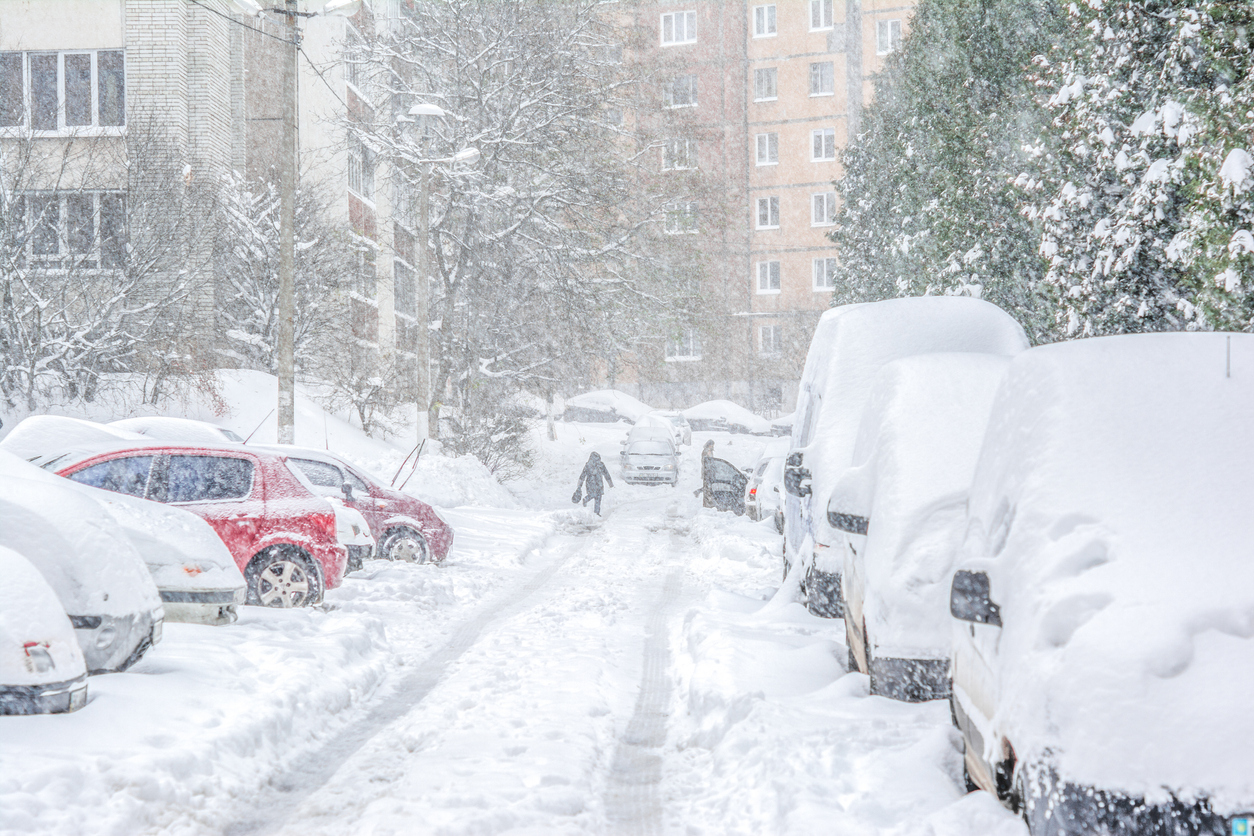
x: 282, y: 536
x: 41, y: 665
x: 405, y: 528
x: 1103, y: 642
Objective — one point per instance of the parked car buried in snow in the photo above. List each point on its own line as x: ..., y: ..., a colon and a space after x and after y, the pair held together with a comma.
x: 1103, y: 649
x: 405, y: 528
x: 282, y: 536
x: 178, y: 430
x: 650, y: 461
x: 41, y: 665
x: 902, y: 510
x: 98, y: 576
x: 764, y: 491
x: 850, y: 346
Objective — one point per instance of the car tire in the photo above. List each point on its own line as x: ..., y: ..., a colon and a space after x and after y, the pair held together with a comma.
x: 284, y: 577
x: 405, y: 545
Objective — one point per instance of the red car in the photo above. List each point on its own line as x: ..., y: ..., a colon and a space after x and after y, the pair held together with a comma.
x: 281, y: 534
x: 404, y: 527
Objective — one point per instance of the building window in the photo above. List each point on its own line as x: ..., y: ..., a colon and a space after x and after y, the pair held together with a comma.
x: 765, y: 86
x: 679, y: 154
x: 768, y: 277
x: 62, y: 91
x: 770, y: 339
x: 768, y: 213
x: 404, y: 283
x: 887, y: 36
x: 768, y: 149
x: 823, y: 144
x: 355, y: 60
x: 679, y: 28
x: 820, y: 14
x: 685, y: 346
x: 822, y: 78
x: 681, y: 218
x: 764, y: 21
x: 824, y: 273
x: 73, y: 231
x: 682, y: 92
x: 823, y: 212
x: 361, y: 169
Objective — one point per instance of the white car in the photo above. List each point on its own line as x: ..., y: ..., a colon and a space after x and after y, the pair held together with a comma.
x: 672, y: 422
x: 902, y: 509
x: 41, y: 665
x: 195, y: 574
x: 764, y: 492
x: 850, y: 346
x: 87, y: 559
x: 181, y: 430
x: 650, y: 461
x: 1103, y: 641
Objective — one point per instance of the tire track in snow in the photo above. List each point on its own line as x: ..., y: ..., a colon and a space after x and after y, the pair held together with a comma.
x: 632, y: 801
x: 287, y: 791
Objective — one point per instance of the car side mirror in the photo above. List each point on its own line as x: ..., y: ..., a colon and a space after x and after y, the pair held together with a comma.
x: 348, y: 491
x: 969, y: 599
x: 851, y: 523
x: 796, y: 477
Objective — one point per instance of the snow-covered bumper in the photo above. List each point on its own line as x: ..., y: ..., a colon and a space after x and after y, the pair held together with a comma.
x: 214, y: 607
x: 650, y: 474
x: 48, y: 698
x: 114, y: 643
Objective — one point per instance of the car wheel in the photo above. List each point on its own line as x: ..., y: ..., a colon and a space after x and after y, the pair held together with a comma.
x: 282, y: 576
x: 407, y: 545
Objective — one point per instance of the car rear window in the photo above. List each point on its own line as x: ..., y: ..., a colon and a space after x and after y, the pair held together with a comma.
x: 128, y: 475
x: 319, y: 473
x: 206, y: 478
x: 650, y: 448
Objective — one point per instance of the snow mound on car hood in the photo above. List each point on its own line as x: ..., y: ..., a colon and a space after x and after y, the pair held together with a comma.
x: 611, y: 400
x: 39, y: 434
x: 734, y: 414
x: 30, y: 612
x: 1112, y: 507
x: 179, y: 430
x: 916, y: 452
x: 74, y: 543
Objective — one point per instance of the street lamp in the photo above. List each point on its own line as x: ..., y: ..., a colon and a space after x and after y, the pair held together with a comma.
x: 424, y: 116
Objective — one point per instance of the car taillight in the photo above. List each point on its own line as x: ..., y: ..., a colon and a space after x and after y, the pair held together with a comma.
x: 753, y: 492
x: 329, y: 529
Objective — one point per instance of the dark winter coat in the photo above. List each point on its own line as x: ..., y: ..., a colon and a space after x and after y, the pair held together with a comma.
x: 593, y: 472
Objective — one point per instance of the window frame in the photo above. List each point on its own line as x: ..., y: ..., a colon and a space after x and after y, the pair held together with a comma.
x: 689, y: 341
x: 885, y: 26
x: 670, y: 100
x: 828, y: 78
x: 776, y: 346
x: 766, y: 72
x: 767, y: 15
x: 770, y: 140
x: 772, y: 212
x: 819, y: 269
x: 680, y: 217
x: 95, y: 94
x: 829, y: 206
x: 819, y: 140
x: 679, y: 155
x: 689, y: 22
x: 361, y: 169
x: 822, y: 6
x: 769, y: 277
x: 96, y: 260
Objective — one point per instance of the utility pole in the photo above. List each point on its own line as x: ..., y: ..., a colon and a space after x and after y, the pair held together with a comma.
x: 428, y: 413
x: 285, y: 360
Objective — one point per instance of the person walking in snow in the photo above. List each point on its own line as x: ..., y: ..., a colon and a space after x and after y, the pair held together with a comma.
x: 590, y: 482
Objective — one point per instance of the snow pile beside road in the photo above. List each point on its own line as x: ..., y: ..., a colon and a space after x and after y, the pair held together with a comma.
x: 205, y: 716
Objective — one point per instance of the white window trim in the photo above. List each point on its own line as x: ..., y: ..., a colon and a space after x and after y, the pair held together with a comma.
x: 672, y: 15
x: 755, y: 85
x: 692, y: 336
x: 879, y: 50
x: 63, y: 130
x: 757, y: 213
x: 757, y: 280
x: 814, y: 274
x: 775, y: 350
x: 756, y: 158
x: 690, y: 154
x: 815, y: 223
x: 823, y: 131
x: 832, y: 92
x: 687, y: 209
x: 829, y: 26
x: 670, y: 88
x: 773, y: 33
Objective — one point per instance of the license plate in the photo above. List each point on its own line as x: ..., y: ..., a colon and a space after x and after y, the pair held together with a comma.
x: 78, y: 698
x: 156, y: 630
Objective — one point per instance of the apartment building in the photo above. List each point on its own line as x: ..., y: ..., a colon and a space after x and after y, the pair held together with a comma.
x: 796, y: 74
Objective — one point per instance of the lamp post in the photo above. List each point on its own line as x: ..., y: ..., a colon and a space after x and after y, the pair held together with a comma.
x: 424, y: 116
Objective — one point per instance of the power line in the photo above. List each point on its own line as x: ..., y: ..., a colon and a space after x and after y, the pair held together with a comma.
x: 238, y: 22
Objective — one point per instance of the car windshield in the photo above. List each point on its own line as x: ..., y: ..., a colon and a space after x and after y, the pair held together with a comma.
x: 650, y: 448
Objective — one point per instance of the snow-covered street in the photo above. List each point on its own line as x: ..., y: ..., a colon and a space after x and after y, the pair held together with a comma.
x: 560, y: 673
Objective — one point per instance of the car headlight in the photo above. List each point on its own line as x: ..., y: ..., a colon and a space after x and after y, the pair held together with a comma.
x: 669, y: 467
x: 105, y: 637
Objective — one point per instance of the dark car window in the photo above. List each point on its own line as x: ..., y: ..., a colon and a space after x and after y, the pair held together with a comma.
x: 128, y: 475
x: 359, y: 487
x: 204, y: 478
x: 320, y: 473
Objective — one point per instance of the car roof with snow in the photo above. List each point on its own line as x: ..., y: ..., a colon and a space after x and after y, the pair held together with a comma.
x: 180, y: 430
x: 733, y: 413
x: 1111, y: 509
x: 611, y: 400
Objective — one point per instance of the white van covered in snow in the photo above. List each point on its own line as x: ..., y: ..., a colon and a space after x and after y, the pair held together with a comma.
x: 87, y: 559
x: 1103, y: 641
x: 41, y: 664
x: 850, y: 346
x: 902, y: 507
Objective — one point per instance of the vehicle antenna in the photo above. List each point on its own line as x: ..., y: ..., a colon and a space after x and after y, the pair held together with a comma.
x: 254, y: 432
x: 402, y: 467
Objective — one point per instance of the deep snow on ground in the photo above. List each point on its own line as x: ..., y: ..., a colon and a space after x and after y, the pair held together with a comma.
x: 561, y: 673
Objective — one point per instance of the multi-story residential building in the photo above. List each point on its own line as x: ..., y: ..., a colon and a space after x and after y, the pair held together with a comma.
x: 789, y: 79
